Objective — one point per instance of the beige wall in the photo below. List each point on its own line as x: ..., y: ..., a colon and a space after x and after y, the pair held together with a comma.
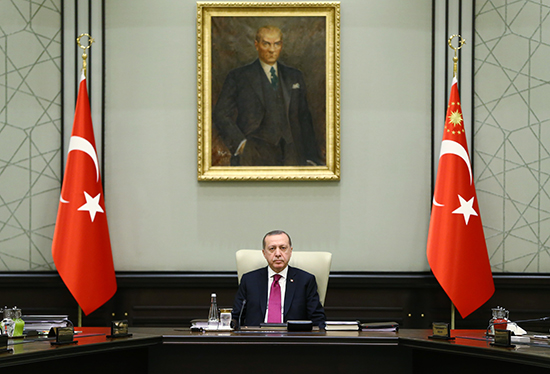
x: 512, y: 146
x: 375, y: 218
x: 161, y: 218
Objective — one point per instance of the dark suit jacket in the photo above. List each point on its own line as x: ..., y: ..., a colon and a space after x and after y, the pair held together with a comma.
x: 240, y: 108
x: 301, y: 298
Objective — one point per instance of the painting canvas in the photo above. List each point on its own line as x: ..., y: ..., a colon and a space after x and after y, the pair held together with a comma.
x: 268, y: 91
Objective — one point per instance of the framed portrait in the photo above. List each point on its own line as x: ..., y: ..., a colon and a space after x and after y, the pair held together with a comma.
x: 268, y: 91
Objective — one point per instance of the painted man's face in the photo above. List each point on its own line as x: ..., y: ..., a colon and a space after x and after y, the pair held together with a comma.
x: 269, y: 46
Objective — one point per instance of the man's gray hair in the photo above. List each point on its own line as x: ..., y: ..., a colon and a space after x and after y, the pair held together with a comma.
x: 268, y: 28
x: 276, y: 232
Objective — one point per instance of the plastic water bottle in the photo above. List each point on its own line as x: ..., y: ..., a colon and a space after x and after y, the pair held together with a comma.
x: 213, y: 314
x: 19, y: 323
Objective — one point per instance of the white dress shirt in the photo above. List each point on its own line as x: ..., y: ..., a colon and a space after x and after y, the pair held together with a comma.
x: 267, y: 69
x: 282, y: 284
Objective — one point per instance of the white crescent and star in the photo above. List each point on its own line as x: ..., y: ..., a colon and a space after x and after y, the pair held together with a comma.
x: 449, y: 147
x: 92, y: 206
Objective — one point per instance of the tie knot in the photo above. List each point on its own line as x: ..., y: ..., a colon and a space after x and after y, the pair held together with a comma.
x: 276, y: 277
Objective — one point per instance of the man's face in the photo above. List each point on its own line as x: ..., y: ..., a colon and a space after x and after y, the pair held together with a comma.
x: 277, y: 251
x: 269, y: 47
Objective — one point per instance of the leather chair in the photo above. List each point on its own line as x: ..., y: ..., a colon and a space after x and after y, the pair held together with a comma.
x: 316, y: 263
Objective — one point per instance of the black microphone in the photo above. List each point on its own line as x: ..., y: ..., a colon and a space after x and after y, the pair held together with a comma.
x: 243, y: 305
x: 514, y: 322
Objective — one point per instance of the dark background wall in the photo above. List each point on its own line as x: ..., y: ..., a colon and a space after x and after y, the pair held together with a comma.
x: 414, y: 300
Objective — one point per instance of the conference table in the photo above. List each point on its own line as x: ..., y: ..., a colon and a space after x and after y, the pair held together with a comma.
x: 165, y: 350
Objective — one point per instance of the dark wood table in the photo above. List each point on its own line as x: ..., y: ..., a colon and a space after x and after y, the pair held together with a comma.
x: 164, y: 350
x: 270, y: 352
x: 93, y: 353
x: 471, y: 352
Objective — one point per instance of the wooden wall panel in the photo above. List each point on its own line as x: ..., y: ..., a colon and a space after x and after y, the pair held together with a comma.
x: 415, y: 300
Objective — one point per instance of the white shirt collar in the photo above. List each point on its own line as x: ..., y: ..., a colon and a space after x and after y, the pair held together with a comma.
x: 271, y: 273
x: 267, y: 68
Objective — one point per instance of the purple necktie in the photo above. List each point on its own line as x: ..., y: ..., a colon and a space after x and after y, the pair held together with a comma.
x: 274, y: 306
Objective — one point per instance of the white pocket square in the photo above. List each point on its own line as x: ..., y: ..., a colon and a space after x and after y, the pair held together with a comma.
x: 296, y: 86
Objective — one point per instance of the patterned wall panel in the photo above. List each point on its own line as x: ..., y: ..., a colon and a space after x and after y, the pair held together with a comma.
x: 30, y: 131
x: 512, y: 131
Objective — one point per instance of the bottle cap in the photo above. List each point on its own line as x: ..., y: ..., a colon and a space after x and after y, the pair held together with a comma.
x: 213, y: 295
x: 16, y: 312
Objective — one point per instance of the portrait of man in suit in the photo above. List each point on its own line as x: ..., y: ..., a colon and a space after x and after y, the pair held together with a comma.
x: 262, y: 115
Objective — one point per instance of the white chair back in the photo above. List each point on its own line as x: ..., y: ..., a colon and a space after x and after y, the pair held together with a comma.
x: 316, y: 263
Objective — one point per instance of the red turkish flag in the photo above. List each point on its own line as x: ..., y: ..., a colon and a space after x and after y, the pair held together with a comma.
x: 81, y: 246
x: 456, y: 248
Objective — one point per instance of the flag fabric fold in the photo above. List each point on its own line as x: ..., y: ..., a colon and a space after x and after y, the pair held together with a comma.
x: 456, y: 248
x: 81, y: 246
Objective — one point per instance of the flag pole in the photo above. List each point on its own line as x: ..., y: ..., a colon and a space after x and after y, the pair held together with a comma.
x: 84, y: 70
x: 461, y: 42
x: 84, y: 47
x: 453, y: 309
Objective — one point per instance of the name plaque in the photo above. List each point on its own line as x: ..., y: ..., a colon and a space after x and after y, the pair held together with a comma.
x: 299, y: 325
x: 119, y: 329
x: 64, y: 335
x: 503, y: 338
x: 441, y: 330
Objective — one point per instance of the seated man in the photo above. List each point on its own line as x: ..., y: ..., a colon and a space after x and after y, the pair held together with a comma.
x: 277, y: 293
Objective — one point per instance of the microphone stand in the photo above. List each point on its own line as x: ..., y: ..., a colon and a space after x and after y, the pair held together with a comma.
x: 243, y: 305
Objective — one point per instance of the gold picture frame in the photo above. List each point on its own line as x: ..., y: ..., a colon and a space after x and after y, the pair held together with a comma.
x: 228, y: 38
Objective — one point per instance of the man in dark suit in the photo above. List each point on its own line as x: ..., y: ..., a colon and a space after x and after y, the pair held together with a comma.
x: 297, y: 294
x: 262, y: 114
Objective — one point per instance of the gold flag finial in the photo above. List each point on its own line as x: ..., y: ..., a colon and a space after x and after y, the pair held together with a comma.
x: 461, y: 42
x: 84, y: 47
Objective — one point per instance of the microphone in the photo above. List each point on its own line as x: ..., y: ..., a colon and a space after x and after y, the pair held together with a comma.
x: 514, y: 322
x: 238, y: 327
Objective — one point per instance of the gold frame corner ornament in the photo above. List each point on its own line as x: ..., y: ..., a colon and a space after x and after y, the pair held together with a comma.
x: 330, y: 11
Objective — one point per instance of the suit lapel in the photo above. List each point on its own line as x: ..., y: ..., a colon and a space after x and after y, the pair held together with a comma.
x: 263, y: 284
x: 290, y: 288
x: 284, y: 84
x: 254, y: 76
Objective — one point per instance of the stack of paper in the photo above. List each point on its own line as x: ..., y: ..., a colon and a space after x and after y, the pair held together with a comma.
x: 380, y: 326
x: 342, y: 326
x: 45, y: 322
